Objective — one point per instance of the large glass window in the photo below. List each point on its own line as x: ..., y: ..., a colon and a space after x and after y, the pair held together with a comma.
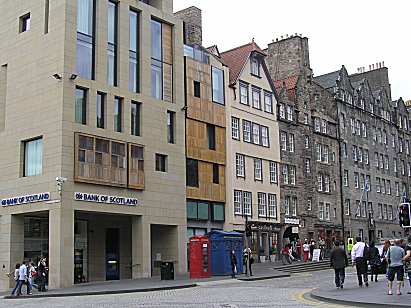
x: 218, y: 85
x: 133, y: 53
x: 85, y: 38
x: 112, y: 44
x: 118, y: 110
x: 198, y: 210
x: 156, y: 60
x: 211, y: 136
x: 81, y: 106
x: 33, y: 151
x: 100, y: 110
x: 135, y: 118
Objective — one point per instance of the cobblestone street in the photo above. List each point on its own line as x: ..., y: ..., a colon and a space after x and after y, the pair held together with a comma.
x: 283, y: 292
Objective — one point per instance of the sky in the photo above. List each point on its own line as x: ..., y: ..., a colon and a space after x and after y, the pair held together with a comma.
x: 350, y: 33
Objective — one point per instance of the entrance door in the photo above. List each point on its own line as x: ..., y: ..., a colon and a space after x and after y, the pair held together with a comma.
x: 112, y: 254
x: 264, y: 243
x: 371, y: 236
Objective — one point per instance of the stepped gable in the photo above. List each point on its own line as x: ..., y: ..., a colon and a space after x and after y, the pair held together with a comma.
x: 236, y: 59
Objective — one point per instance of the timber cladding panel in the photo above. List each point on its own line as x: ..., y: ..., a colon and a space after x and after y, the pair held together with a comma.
x: 207, y: 190
x: 197, y: 143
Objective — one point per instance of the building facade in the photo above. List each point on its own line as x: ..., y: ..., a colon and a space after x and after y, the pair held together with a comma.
x: 310, y: 181
x: 92, y: 138
x: 253, y: 189
x: 206, y: 80
x: 375, y: 162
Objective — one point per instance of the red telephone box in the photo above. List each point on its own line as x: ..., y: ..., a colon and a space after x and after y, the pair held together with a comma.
x: 199, y: 257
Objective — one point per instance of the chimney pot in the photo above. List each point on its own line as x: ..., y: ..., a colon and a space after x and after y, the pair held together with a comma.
x: 370, y: 67
x: 383, y: 64
x: 286, y: 35
x: 281, y: 37
x: 276, y: 39
x: 373, y: 66
x: 295, y: 34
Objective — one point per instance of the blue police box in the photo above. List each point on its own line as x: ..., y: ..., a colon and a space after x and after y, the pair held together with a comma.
x: 221, y: 244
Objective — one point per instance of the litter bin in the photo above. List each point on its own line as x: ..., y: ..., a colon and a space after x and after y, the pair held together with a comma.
x: 167, y: 270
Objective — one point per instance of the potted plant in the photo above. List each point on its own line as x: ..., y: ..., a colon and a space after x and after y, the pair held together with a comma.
x: 262, y: 256
x: 273, y: 254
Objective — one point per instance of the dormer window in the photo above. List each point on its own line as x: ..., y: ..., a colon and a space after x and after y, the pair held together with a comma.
x: 255, y: 67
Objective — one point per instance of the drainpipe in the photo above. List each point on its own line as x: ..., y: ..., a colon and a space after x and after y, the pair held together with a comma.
x: 341, y: 173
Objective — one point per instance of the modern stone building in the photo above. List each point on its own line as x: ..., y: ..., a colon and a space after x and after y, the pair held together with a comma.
x: 92, y: 138
x: 309, y: 181
x: 206, y: 84
x: 253, y: 189
x: 375, y: 147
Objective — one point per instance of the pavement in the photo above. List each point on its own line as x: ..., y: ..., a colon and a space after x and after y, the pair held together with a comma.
x: 261, y: 271
x: 373, y: 296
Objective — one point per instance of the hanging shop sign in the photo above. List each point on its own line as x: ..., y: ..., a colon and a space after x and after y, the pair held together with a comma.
x: 25, y: 199
x: 78, y: 196
x: 292, y: 221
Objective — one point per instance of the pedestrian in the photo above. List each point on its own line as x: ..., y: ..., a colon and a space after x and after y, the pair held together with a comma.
x: 299, y: 249
x: 358, y: 260
x: 16, y: 278
x: 247, y: 254
x: 41, y: 272
x: 321, y: 245
x: 384, y: 264
x: 32, y: 275
x: 407, y: 260
x: 375, y: 261
x: 338, y: 261
x: 306, y: 249
x: 23, y: 278
x: 312, y: 247
x: 233, y: 260
x: 286, y: 252
x: 395, y: 266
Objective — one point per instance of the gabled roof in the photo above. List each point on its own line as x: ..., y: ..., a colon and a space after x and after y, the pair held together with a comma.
x: 236, y: 59
x: 214, y: 50
x: 290, y: 82
x: 357, y: 84
x: 328, y: 80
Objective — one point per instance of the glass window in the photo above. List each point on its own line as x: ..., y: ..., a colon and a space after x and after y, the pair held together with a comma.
x: 238, y: 198
x: 218, y: 85
x: 235, y: 133
x: 255, y: 67
x: 203, y: 211
x: 256, y: 133
x: 135, y: 118
x: 240, y: 165
x: 170, y: 126
x: 192, y: 172
x: 80, y: 108
x: 112, y: 44
x: 100, y: 110
x: 156, y: 42
x: 33, y: 151
x: 25, y: 23
x: 258, y: 169
x: 256, y: 99
x: 218, y: 212
x: 156, y: 60
x: 247, y: 203
x: 246, y: 131
x: 161, y: 162
x: 85, y: 33
x: 268, y: 102
x: 192, y: 210
x: 211, y: 136
x: 272, y: 205
x: 273, y: 172
x: 262, y: 204
x: 244, y: 94
x: 118, y: 109
x: 216, y: 174
x: 133, y: 55
x: 264, y: 136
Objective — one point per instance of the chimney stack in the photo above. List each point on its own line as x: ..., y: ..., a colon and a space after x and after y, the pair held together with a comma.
x: 192, y: 25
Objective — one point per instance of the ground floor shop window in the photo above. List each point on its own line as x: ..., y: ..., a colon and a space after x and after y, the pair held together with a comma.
x: 80, y: 251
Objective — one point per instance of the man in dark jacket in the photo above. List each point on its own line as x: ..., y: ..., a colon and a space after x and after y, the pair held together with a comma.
x: 338, y: 261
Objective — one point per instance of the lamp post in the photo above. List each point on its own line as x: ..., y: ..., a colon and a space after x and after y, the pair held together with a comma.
x: 247, y: 234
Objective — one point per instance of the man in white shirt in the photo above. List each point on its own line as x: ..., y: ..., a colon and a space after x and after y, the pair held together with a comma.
x: 23, y: 278
x: 357, y: 258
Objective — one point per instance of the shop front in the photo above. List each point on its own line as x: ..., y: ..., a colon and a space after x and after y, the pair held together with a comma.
x: 264, y: 239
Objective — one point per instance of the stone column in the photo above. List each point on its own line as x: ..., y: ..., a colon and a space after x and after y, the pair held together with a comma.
x: 181, y: 238
x: 141, y: 247
x: 11, y: 247
x: 61, y: 248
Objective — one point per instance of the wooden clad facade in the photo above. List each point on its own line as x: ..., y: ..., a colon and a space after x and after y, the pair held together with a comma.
x: 203, y: 112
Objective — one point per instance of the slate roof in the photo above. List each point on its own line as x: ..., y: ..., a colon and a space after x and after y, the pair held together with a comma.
x: 328, y: 80
x: 290, y: 82
x: 237, y: 57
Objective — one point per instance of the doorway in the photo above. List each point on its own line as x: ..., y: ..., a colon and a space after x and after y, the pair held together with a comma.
x: 371, y: 236
x: 264, y: 244
x: 112, y: 254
